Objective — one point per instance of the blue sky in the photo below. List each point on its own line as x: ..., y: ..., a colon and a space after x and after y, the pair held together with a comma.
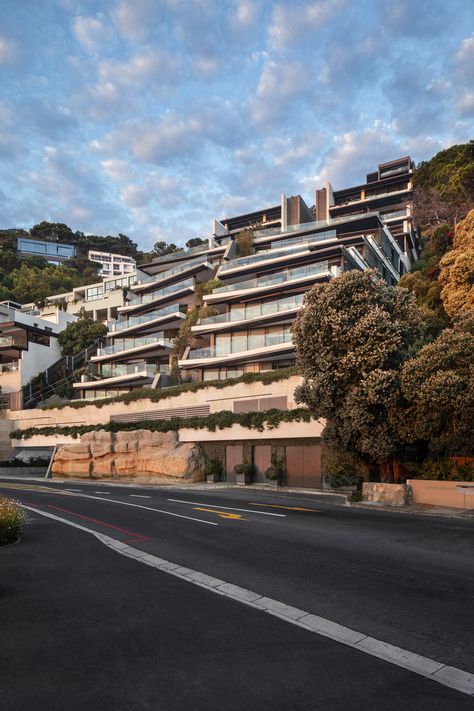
x: 151, y: 117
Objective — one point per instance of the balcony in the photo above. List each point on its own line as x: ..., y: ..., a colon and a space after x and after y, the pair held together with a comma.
x: 132, y: 345
x: 251, y: 313
x: 169, y: 273
x: 13, y: 342
x: 251, y: 347
x: 9, y: 367
x: 148, y: 319
x: 120, y: 373
x: 151, y: 296
x: 306, y: 226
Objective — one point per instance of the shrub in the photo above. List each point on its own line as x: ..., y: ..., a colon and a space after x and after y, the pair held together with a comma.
x: 214, y: 468
x: 443, y: 470
x: 244, y: 469
x: 343, y: 479
x: 12, y: 518
x: 31, y: 462
x: 276, y: 471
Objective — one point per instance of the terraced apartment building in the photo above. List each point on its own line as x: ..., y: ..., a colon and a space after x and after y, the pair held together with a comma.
x: 238, y: 310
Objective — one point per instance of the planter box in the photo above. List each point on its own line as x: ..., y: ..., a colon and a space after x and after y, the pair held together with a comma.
x: 212, y: 478
x: 455, y: 494
x: 243, y: 479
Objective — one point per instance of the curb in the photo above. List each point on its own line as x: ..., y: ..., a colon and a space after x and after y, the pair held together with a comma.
x: 467, y: 514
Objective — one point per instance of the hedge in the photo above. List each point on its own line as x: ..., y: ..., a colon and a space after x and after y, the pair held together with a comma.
x: 155, y: 395
x: 215, y: 421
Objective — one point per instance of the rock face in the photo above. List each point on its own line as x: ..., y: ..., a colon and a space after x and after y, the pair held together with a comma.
x: 388, y: 494
x: 138, y: 454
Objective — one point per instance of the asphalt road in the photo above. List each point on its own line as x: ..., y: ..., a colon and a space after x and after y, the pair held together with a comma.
x: 82, y: 627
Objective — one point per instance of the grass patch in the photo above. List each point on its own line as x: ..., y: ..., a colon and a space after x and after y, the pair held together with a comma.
x: 12, y: 519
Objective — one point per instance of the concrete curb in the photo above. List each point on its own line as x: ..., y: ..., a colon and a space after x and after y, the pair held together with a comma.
x: 436, y: 512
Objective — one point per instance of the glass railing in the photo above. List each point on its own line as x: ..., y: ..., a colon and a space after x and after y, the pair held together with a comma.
x: 317, y: 224
x: 393, y: 215
x: 294, y: 245
x: 153, y: 295
x: 249, y: 312
x: 112, y: 371
x: 125, y: 344
x: 174, y: 270
x: 125, y: 323
x: 242, y: 344
x: 276, y: 278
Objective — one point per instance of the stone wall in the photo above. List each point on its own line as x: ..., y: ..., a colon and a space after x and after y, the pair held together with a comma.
x: 138, y: 454
x: 387, y: 494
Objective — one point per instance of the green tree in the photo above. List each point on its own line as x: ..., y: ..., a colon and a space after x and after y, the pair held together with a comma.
x: 352, y: 337
x: 438, y: 387
x: 161, y: 248
x: 245, y: 243
x: 80, y: 334
x: 195, y: 242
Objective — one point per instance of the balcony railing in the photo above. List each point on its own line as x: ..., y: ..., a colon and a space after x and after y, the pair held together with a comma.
x: 125, y: 344
x: 125, y: 323
x: 8, y: 368
x: 174, y: 270
x: 304, y: 226
x: 112, y: 371
x: 277, y: 278
x: 153, y: 295
x: 249, y: 312
x: 250, y: 343
x: 11, y: 342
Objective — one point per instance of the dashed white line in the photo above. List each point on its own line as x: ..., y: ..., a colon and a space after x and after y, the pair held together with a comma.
x: 227, y: 508
x: 140, y: 496
x: 101, y: 492
x: 73, y: 490
x: 451, y: 677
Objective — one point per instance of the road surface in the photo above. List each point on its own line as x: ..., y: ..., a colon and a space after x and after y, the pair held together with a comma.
x: 83, y: 626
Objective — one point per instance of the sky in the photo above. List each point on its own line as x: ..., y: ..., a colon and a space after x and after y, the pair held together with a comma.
x: 152, y: 117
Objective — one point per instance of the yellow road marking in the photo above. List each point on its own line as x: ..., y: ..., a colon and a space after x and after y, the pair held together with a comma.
x: 222, y: 514
x: 288, y: 508
x: 34, y: 487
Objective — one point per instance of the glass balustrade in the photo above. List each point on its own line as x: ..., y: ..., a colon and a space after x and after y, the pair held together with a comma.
x: 308, y: 225
x: 112, y: 371
x: 276, y: 278
x: 125, y: 323
x: 153, y: 295
x: 254, y: 311
x: 7, y: 341
x: 241, y: 344
x: 174, y: 270
x: 125, y: 344
x: 275, y: 253
x: 9, y: 367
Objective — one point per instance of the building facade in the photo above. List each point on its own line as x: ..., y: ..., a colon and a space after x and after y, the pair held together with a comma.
x: 53, y: 252
x: 233, y: 313
x: 112, y: 265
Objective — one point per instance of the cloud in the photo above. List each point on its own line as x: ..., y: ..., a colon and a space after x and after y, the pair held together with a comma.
x: 279, y: 82
x: 91, y: 32
x: 8, y: 51
x: 137, y: 19
x: 465, y: 105
x: 294, y: 23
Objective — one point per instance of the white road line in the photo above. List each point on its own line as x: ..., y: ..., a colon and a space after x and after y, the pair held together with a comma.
x: 147, y: 508
x: 140, y: 496
x: 74, y: 490
x: 101, y: 492
x: 228, y: 508
x: 443, y: 674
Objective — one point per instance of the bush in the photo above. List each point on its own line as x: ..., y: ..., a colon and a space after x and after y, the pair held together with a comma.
x: 343, y: 479
x: 244, y: 469
x: 443, y: 470
x: 276, y: 471
x: 31, y: 462
x: 12, y: 518
x: 214, y: 468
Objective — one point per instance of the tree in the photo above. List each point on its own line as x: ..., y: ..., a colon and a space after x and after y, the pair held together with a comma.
x: 245, y: 244
x: 352, y: 337
x: 457, y: 270
x: 195, y: 242
x: 438, y: 386
x: 80, y: 334
x: 161, y: 248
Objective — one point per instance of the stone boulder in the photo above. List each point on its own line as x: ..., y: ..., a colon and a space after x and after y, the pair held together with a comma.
x: 135, y: 454
x: 386, y: 494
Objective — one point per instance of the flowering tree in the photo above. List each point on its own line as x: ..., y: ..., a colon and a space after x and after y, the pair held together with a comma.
x: 352, y: 337
x: 457, y: 270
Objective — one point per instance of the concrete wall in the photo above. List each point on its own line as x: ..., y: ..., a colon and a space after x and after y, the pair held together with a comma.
x: 218, y: 399
x: 37, y: 358
x: 455, y: 494
x: 5, y: 442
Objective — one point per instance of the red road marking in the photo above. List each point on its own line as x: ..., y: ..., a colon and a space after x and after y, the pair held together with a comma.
x: 136, y: 536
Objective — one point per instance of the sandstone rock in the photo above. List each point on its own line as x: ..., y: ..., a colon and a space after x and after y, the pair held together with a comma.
x: 387, y: 494
x: 157, y: 456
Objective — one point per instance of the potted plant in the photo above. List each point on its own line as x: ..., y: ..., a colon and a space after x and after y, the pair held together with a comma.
x: 275, y: 472
x: 244, y: 472
x: 213, y: 471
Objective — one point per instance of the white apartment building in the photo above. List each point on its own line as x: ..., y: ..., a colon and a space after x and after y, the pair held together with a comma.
x: 112, y: 264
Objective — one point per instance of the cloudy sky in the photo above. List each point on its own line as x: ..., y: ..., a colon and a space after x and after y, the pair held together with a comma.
x: 151, y: 117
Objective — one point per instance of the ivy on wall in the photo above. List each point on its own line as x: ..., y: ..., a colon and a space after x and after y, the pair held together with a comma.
x: 269, y: 419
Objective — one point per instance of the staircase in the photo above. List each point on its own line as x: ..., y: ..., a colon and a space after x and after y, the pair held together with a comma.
x: 55, y: 378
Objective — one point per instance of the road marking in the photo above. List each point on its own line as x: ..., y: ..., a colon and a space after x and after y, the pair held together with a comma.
x: 222, y: 514
x: 35, y: 487
x: 73, y: 490
x: 135, y: 536
x: 227, y: 508
x: 148, y: 508
x: 451, y: 677
x: 288, y: 508
x: 141, y: 496
x: 101, y: 492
